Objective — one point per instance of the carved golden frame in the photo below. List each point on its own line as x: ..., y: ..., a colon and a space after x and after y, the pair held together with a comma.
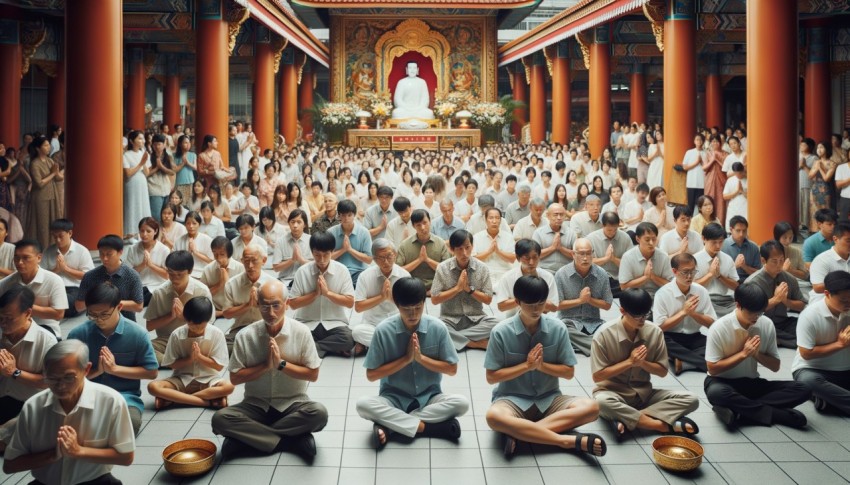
x: 412, y: 35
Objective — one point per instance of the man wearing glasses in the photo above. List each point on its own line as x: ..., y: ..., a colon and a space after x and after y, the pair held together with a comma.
x: 626, y: 353
x: 241, y: 291
x: 409, y: 354
x: 737, y: 343
x: 583, y: 290
x: 684, y: 311
x: 120, y: 351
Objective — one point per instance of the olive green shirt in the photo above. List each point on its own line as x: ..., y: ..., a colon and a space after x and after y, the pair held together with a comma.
x: 435, y: 248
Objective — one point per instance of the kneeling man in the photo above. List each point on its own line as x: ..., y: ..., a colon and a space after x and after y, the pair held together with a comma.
x: 409, y: 353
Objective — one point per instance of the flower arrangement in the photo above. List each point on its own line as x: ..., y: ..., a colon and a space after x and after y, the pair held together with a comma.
x: 444, y: 109
x: 489, y: 115
x: 381, y: 106
x: 338, y: 114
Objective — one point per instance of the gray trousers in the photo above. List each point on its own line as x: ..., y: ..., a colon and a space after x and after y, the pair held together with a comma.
x: 664, y: 405
x: 135, y: 419
x: 723, y: 305
x: 439, y: 408
x: 466, y: 330
x: 264, y: 430
x: 830, y: 385
x: 580, y: 340
x: 336, y: 340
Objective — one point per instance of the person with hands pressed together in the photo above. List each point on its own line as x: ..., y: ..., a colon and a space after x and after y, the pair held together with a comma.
x: 716, y: 270
x: 556, y: 240
x: 275, y: 358
x: 147, y: 257
x: 528, y: 255
x: 609, y: 245
x: 626, y: 353
x: 835, y: 259
x: 527, y: 355
x: 74, y: 431
x: 121, y: 351
x: 68, y: 259
x: 495, y: 247
x: 681, y: 239
x: 293, y: 249
x: 217, y: 273
x: 645, y: 266
x: 379, y: 215
x: 196, y: 242
x: 737, y: 343
x: 420, y: 254
x: 410, y: 352
x: 353, y: 244
x: 113, y: 270
x: 241, y: 292
x: 744, y: 252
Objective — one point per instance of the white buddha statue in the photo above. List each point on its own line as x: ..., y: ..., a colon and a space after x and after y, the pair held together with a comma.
x: 411, y: 97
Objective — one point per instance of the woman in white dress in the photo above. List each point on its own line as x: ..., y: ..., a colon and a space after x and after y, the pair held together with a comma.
x: 655, y: 156
x: 196, y: 243
x: 632, y: 141
x: 170, y: 230
x: 136, y: 201
x: 147, y: 257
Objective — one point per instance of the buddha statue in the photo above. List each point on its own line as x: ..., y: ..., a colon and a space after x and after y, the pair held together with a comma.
x: 411, y: 97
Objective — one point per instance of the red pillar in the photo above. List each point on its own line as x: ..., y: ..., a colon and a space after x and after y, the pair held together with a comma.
x: 680, y: 93
x: 263, y: 100
x: 56, y: 98
x: 561, y: 94
x: 816, y: 118
x: 637, y: 95
x: 212, y: 72
x: 135, y: 109
x: 93, y: 44
x: 714, y: 96
x: 288, y: 98
x: 537, y: 105
x: 772, y: 103
x: 171, y: 114
x: 520, y: 89
x: 305, y: 99
x: 599, y: 93
x: 10, y: 83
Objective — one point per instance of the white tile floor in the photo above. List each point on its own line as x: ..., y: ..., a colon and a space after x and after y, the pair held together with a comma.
x: 819, y: 455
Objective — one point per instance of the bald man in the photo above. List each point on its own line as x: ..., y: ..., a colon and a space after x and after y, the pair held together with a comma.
x: 556, y: 239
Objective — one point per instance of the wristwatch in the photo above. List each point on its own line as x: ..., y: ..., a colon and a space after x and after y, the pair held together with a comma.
x: 281, y: 365
x: 471, y: 290
x: 17, y: 373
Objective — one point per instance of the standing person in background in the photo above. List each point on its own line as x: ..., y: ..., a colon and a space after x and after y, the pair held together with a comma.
x: 695, y: 179
x: 159, y: 176
x: 44, y: 200
x: 186, y: 167
x: 715, y: 177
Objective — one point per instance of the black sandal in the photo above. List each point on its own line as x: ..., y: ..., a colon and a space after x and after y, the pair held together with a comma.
x: 449, y: 430
x: 589, y: 440
x: 615, y: 427
x: 510, y: 446
x: 680, y: 426
x: 376, y: 436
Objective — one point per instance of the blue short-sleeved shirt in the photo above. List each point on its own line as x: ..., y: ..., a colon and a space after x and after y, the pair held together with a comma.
x: 131, y: 347
x: 186, y: 176
x: 510, y: 344
x: 441, y: 229
x: 414, y: 384
x: 814, y: 245
x: 360, y: 241
x: 749, y: 249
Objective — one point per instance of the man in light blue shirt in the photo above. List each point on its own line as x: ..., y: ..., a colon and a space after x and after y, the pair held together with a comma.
x: 526, y: 356
x: 409, y: 354
x: 379, y: 215
x: 353, y: 243
x: 443, y: 227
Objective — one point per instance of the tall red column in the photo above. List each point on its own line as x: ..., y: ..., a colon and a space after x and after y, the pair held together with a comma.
x: 263, y: 101
x: 288, y: 98
x: 599, y: 92
x: 212, y: 84
x: 637, y: 95
x: 171, y: 114
x: 817, y: 106
x: 93, y: 44
x: 772, y: 103
x: 135, y: 109
x: 56, y: 99
x: 537, y: 104
x: 714, y: 115
x: 520, y: 91
x: 680, y: 93
x: 305, y: 98
x: 10, y: 82
x: 561, y: 94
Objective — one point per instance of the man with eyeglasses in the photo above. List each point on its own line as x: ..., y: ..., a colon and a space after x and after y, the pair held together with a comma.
x: 528, y: 254
x: 583, y: 290
x: 373, y: 296
x: 684, y: 312
x: 165, y: 310
x: 783, y: 291
x: 410, y: 352
x: 626, y: 353
x: 76, y: 431
x: 121, y: 353
x: 275, y: 358
x: 241, y: 291
x: 23, y: 346
x: 737, y: 344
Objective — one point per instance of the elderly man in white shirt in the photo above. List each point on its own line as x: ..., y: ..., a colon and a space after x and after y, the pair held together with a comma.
x: 494, y: 247
x: 61, y: 428
x: 240, y: 292
x: 525, y: 227
x: 68, y: 259
x: 588, y: 220
x: 373, y: 296
x: 478, y: 222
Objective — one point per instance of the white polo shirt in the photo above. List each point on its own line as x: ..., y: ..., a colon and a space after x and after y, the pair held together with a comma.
x: 7, y: 256
x: 671, y: 241
x: 727, y: 269
x: 498, y: 266
x: 283, y: 252
x: 583, y: 225
x: 49, y: 291
x: 100, y: 419
x: 239, y: 245
x: 398, y: 231
x: 237, y: 292
x: 210, y: 276
x: 477, y: 223
x: 816, y: 326
x: 163, y: 299
x: 135, y: 254
x: 202, y: 245
x: 633, y: 264
x: 29, y: 355
x: 214, y: 229
x: 726, y: 336
x: 823, y: 264
x: 370, y: 283
x: 77, y: 258
x: 525, y: 227
x: 322, y: 310
x: 504, y: 287
x: 669, y: 300
x: 633, y: 209
x: 213, y: 345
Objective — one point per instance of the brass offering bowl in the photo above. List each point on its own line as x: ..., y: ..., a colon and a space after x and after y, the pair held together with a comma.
x: 189, y: 457
x: 676, y: 453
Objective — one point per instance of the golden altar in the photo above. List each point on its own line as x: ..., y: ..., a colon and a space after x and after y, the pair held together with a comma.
x: 400, y: 139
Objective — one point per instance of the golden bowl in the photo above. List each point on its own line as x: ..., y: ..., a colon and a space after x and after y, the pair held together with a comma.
x: 190, y: 457
x: 676, y: 453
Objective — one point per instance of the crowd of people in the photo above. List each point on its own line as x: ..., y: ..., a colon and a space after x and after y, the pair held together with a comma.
x: 434, y: 253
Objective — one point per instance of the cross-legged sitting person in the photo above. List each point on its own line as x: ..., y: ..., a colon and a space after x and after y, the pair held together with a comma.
x: 410, y: 352
x: 716, y: 270
x: 528, y: 354
x: 823, y: 346
x: 241, y: 290
x: 737, y: 343
x: 528, y: 255
x: 197, y: 352
x: 275, y: 358
x: 645, y: 266
x: 626, y: 352
x: 75, y: 431
x: 683, y: 309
